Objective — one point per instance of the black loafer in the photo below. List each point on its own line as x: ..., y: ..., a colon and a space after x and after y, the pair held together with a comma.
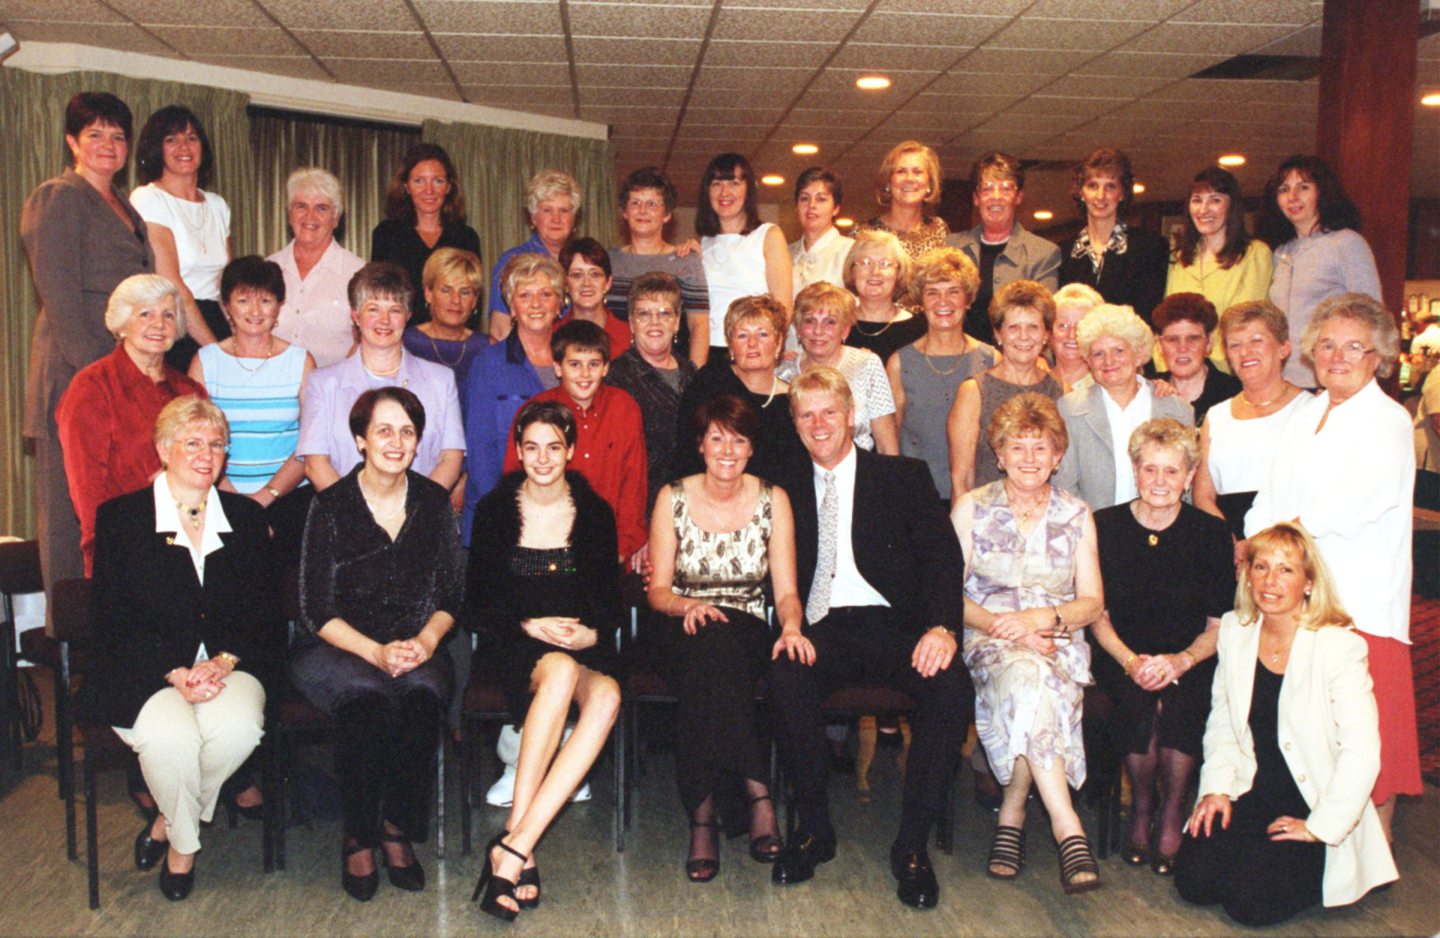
x: 148, y: 850
x: 918, y: 888
x: 175, y: 886
x: 797, y: 861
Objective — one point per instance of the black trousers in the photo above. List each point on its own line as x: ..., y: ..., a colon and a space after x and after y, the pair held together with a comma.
x: 866, y: 644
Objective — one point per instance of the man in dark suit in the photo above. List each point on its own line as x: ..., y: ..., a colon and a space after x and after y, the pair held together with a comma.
x: 880, y: 572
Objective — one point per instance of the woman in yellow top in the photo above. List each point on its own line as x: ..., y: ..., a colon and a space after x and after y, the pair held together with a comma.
x: 1216, y: 257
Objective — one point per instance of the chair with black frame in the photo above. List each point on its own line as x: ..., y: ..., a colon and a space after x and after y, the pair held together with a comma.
x: 19, y: 574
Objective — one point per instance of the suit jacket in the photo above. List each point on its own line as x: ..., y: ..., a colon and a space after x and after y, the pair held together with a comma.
x: 904, y: 544
x: 1026, y: 257
x: 79, y: 252
x: 1088, y: 469
x: 151, y: 614
x: 1135, y: 278
x: 1329, y: 733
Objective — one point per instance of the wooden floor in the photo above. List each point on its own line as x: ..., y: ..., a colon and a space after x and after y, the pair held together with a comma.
x: 591, y: 890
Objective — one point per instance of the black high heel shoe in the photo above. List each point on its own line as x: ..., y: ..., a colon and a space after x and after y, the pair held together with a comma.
x: 357, y: 887
x: 148, y: 850
x: 175, y: 886
x: 766, y: 847
x: 411, y: 877
x: 495, y: 887
x: 704, y: 869
x: 529, y: 876
x: 235, y: 810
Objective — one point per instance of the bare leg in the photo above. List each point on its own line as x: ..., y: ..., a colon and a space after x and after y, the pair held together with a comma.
x: 1012, y: 804
x: 1055, y: 793
x: 1387, y: 818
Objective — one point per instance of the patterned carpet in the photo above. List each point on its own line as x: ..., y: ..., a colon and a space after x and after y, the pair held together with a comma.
x: 1425, y: 660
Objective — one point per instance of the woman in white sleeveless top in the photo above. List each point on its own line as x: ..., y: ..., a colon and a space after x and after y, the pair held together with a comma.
x: 742, y: 255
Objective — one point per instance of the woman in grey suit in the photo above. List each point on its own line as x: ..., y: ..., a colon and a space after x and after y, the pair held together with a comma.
x: 1101, y: 417
x: 83, y: 238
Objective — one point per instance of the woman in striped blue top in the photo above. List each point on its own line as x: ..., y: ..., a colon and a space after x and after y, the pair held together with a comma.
x: 257, y: 380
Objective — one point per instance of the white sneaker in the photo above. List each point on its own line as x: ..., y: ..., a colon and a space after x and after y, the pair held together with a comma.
x: 581, y: 794
x: 502, y: 793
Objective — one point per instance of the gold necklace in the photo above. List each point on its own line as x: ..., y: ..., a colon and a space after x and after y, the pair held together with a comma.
x: 380, y: 374
x: 1285, y: 386
x: 240, y: 360
x: 943, y: 374
x: 193, y: 514
x: 464, y: 350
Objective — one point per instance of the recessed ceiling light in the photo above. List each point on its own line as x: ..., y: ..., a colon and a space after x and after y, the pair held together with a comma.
x: 872, y: 82
x: 1430, y: 99
x: 1044, y: 214
x: 844, y: 221
x: 1138, y: 188
x: 772, y: 179
x: 1232, y: 159
x: 805, y: 149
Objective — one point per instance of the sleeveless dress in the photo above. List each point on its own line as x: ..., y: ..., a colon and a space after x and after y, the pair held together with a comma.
x: 714, y: 672
x: 1026, y: 704
x: 261, y: 400
x: 1241, y: 452
x: 993, y: 393
x: 930, y: 384
x: 734, y: 267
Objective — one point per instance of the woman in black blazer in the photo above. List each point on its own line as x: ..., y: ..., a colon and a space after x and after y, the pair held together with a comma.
x: 185, y: 624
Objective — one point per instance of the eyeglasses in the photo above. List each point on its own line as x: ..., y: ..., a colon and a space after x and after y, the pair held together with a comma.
x: 871, y: 263
x: 648, y: 205
x: 998, y: 188
x: 1350, y: 351
x: 587, y: 276
x: 655, y: 315
x: 195, y: 446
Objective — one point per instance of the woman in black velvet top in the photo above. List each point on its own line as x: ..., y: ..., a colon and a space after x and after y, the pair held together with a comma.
x: 380, y: 585
x: 424, y: 211
x: 544, y: 581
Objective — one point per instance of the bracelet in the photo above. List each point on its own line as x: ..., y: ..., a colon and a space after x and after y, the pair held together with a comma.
x: 1193, y: 660
x: 274, y: 492
x: 1128, y: 662
x: 226, y: 656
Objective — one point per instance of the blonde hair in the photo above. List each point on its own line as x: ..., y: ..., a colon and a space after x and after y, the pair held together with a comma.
x: 315, y: 179
x: 870, y: 243
x: 830, y: 298
x: 523, y: 267
x: 141, y: 290
x: 1261, y: 311
x: 1108, y: 321
x: 1022, y: 294
x: 821, y: 380
x: 1322, y: 604
x: 549, y: 183
x: 1169, y: 433
x: 887, y: 166
x: 761, y: 306
x: 1357, y: 307
x: 1079, y: 294
x: 1028, y: 414
x: 183, y: 412
x: 939, y: 265
x: 453, y: 265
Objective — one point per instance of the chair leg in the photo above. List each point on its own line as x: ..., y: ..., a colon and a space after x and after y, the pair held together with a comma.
x: 282, y: 799
x: 92, y: 848
x: 617, y: 739
x: 463, y: 756
x: 64, y: 751
x: 267, y: 811
x: 440, y: 795
x: 70, y: 849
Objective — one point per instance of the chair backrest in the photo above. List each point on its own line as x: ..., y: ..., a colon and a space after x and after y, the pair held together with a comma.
x: 70, y: 611
x: 20, y: 568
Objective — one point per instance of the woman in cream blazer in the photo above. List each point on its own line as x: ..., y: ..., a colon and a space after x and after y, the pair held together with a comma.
x: 1292, y: 749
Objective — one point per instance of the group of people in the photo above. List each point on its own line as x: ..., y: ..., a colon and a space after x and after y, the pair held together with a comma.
x: 954, y: 464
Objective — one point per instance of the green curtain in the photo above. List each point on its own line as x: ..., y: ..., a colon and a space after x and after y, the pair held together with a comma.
x: 494, y: 164
x: 32, y: 139
x: 363, y: 156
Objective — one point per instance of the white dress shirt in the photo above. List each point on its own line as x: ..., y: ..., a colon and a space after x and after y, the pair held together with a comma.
x: 849, y: 588
x: 1123, y: 422
x: 167, y: 521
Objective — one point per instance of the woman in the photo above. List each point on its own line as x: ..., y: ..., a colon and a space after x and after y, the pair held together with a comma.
x: 543, y: 580
x: 424, y: 213
x: 509, y: 373
x: 908, y: 184
x: 1186, y: 322
x: 653, y: 373
x: 82, y: 239
x: 1127, y: 265
x: 1168, y: 579
x: 818, y: 255
x: 824, y: 316
x: 587, y: 281
x: 179, y: 659
x: 1216, y: 257
x: 380, y: 586
x: 755, y: 330
x: 452, y: 281
x: 1284, y: 821
x: 1314, y: 230
x: 104, y: 418
x: 1072, y: 303
x: 1345, y: 468
x: 188, y: 227
x: 552, y: 200
x: 1032, y: 579
x: 1100, y: 418
x: 1021, y: 316
x: 1239, y: 437
x: 714, y: 539
x: 926, y: 374
x: 877, y: 271
x: 316, y: 312
x: 742, y: 255
x: 647, y: 201
x: 258, y: 381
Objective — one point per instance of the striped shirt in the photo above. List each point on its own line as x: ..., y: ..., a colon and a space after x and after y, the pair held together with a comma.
x: 261, y: 400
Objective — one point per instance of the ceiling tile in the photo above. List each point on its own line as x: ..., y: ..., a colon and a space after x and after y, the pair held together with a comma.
x: 211, y: 40
x: 294, y: 66
x: 624, y: 21
x: 1149, y: 11
x: 1090, y: 36
x: 1149, y: 64
x: 757, y: 53
x: 494, y: 17
x: 379, y: 15
x: 731, y: 115
x: 1284, y: 12
x: 114, y: 36
x: 461, y: 47
x: 1222, y: 39
x: 444, y: 90
x: 902, y: 29
x: 1019, y: 83
x: 1303, y: 41
x: 518, y: 96
x: 637, y: 51
x: 961, y: 103
x: 1032, y: 124
x: 748, y: 23
x: 776, y: 81
x: 382, y: 72
x: 634, y: 76
x: 822, y: 119
x: 880, y: 56
x: 971, y: 7
x: 182, y: 12
x: 1024, y: 61
x: 551, y: 75
x: 619, y: 114
x: 652, y: 97
x: 1053, y: 106
x: 353, y: 44
x: 59, y: 11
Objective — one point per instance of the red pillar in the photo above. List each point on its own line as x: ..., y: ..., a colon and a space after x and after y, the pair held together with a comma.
x: 1367, y: 113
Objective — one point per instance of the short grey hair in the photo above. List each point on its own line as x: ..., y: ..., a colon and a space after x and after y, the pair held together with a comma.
x: 1116, y: 322
x: 186, y: 411
x: 1168, y: 433
x: 1361, y: 308
x: 315, y: 179
x: 549, y: 183
x: 137, y: 291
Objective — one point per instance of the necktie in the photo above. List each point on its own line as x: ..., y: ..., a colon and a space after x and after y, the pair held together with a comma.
x: 819, y: 604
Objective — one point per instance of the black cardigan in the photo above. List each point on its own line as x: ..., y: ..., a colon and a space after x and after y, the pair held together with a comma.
x: 1135, y: 278
x: 151, y: 614
x: 493, y: 594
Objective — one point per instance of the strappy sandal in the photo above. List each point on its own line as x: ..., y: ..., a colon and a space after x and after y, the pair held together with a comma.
x: 1007, y: 852
x: 766, y: 847
x: 704, y: 869
x: 529, y: 876
x: 494, y: 887
x: 1076, y: 859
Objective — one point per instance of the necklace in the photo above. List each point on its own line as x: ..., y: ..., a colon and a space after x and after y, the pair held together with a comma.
x: 390, y: 513
x: 1024, y: 516
x: 895, y: 314
x: 1259, y: 405
x: 240, y: 360
x: 774, y: 386
x: 464, y: 350
x: 944, y: 374
x: 381, y: 374
x: 192, y: 514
